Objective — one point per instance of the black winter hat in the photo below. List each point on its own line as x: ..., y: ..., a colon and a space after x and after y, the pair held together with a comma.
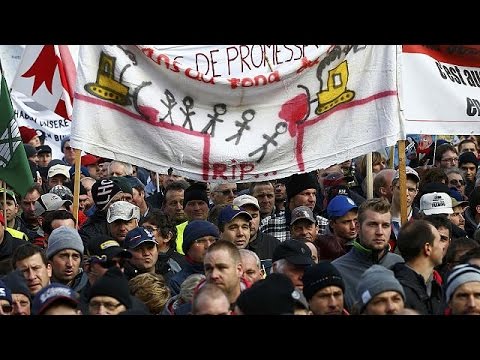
x: 113, y: 284
x: 195, y: 192
x: 467, y: 157
x: 275, y: 295
x: 103, y: 191
x: 300, y: 182
x: 320, y: 276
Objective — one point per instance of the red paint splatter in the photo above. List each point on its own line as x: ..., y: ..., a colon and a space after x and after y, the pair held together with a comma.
x: 150, y: 112
x: 294, y: 111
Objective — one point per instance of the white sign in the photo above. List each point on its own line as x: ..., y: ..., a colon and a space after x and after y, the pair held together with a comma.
x: 31, y: 114
x: 441, y: 89
x: 236, y: 113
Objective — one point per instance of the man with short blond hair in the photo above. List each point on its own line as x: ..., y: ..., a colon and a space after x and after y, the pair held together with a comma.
x: 371, y: 247
x: 223, y: 267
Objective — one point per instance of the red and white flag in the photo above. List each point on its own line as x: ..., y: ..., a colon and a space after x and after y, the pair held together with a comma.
x: 47, y: 75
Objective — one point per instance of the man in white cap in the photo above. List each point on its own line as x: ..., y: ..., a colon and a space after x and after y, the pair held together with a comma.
x: 260, y: 243
x: 58, y: 175
x: 122, y: 217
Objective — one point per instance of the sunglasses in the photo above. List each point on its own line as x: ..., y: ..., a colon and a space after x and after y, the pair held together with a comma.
x: 456, y: 182
x: 227, y: 192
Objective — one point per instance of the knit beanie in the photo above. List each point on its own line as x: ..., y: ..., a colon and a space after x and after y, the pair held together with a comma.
x: 460, y: 275
x: 195, y: 192
x: 5, y: 292
x: 275, y: 295
x: 195, y: 230
x: 103, y: 191
x: 27, y: 133
x: 376, y: 280
x: 17, y: 283
x: 467, y: 157
x: 64, y: 237
x: 320, y: 276
x: 300, y: 182
x: 113, y: 284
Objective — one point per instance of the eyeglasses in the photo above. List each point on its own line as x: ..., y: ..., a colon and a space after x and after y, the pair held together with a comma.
x: 455, y: 182
x: 227, y: 192
x: 203, y: 241
x: 95, y: 305
x: 7, y: 308
x: 68, y: 148
x: 450, y: 160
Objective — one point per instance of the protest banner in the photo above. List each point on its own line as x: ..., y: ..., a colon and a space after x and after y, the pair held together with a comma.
x: 441, y: 89
x: 235, y: 112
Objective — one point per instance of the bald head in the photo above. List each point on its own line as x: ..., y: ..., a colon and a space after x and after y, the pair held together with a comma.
x: 382, y: 183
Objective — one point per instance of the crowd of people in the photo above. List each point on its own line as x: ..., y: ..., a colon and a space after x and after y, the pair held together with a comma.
x: 311, y: 244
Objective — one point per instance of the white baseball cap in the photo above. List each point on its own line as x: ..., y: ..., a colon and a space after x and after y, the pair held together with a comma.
x: 436, y: 203
x: 246, y: 199
x: 59, y: 169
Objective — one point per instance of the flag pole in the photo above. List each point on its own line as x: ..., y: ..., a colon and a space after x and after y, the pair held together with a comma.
x: 76, y: 185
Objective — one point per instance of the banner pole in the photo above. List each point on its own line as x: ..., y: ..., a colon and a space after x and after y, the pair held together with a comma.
x: 76, y: 185
x: 402, y: 181
x: 369, y: 176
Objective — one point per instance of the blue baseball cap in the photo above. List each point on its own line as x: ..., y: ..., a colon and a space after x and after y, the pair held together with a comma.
x: 230, y: 212
x: 138, y: 236
x: 339, y: 206
x: 52, y: 293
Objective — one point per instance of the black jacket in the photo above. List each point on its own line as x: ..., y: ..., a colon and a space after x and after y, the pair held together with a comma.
x: 263, y: 245
x: 416, y: 291
x: 94, y: 226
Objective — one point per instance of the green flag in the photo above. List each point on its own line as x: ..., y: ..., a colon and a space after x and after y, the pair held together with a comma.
x: 14, y: 167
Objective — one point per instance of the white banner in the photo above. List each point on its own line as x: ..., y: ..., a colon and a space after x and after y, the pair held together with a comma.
x: 10, y: 56
x: 31, y: 114
x: 441, y: 89
x: 237, y: 113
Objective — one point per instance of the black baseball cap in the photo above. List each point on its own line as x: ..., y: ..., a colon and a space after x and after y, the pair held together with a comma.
x: 294, y: 251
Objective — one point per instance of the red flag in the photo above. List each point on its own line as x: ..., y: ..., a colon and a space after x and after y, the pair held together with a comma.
x: 47, y: 75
